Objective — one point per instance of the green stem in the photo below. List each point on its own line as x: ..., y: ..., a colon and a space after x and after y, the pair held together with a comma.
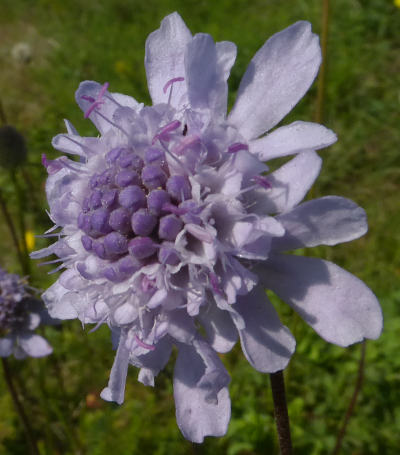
x: 19, y: 408
x: 281, y: 412
x: 350, y: 409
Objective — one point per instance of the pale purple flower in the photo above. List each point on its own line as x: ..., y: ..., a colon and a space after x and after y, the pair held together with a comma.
x: 20, y: 315
x: 171, y: 221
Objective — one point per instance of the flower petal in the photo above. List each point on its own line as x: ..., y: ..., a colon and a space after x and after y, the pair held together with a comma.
x: 266, y: 343
x: 221, y: 332
x: 153, y: 362
x: 6, y: 346
x: 34, y: 345
x: 115, y: 391
x: 201, y: 393
x: 164, y: 59
x: 289, y: 184
x: 325, y: 221
x: 276, y: 79
x: 336, y: 304
x: 57, y: 309
x: 290, y: 139
x: 207, y: 72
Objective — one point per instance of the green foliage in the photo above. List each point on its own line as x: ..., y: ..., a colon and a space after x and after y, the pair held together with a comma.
x: 72, y: 41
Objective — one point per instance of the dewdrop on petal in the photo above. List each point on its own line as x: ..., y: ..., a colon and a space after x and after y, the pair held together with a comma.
x: 170, y: 219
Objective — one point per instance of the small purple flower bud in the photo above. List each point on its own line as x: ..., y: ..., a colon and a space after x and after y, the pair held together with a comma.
x: 99, y: 221
x: 169, y: 228
x: 94, y: 181
x: 128, y: 158
x: 109, y: 198
x: 178, y: 187
x: 111, y: 274
x: 153, y: 176
x: 192, y: 210
x: 99, y: 250
x: 142, y: 247
x: 168, y: 255
x: 115, y: 244
x: 143, y: 222
x: 86, y: 242
x: 237, y: 146
x: 120, y: 220
x: 84, y: 222
x: 156, y: 199
x: 95, y: 199
x: 85, y: 205
x: 154, y: 155
x: 129, y: 265
x: 113, y: 154
x: 106, y: 177
x: 127, y: 177
x: 132, y: 197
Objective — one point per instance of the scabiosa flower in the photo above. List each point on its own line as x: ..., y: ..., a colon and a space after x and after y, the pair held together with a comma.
x: 170, y: 220
x: 20, y: 315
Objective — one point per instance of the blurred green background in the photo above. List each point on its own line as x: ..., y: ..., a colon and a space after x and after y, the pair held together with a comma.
x: 46, y: 48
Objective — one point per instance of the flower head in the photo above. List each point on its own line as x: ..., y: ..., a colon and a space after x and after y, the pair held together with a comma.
x: 171, y: 220
x: 20, y: 315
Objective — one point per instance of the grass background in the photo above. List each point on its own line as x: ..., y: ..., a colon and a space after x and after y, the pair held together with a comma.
x: 70, y: 41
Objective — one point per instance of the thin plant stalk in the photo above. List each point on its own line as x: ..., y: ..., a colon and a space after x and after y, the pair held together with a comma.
x: 19, y: 408
x: 319, y: 113
x: 3, y: 118
x: 350, y: 409
x: 281, y: 412
x: 13, y: 232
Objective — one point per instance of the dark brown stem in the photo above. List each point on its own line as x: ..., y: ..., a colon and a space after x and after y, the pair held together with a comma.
x: 3, y: 118
x: 281, y: 412
x: 350, y: 409
x: 19, y: 408
x: 13, y: 232
x: 319, y: 114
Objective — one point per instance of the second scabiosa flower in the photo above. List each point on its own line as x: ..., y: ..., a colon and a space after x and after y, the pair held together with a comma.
x: 170, y: 220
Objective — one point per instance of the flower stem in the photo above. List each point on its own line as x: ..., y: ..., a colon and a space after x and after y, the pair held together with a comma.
x: 281, y: 412
x: 350, y: 409
x: 319, y: 114
x: 3, y: 118
x: 19, y: 408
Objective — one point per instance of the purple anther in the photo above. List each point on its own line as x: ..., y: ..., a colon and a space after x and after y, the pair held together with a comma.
x: 128, y: 158
x: 147, y: 284
x: 262, y: 181
x: 86, y: 242
x: 154, y: 155
x: 142, y: 247
x: 132, y: 197
x: 129, y: 265
x: 99, y: 221
x: 105, y: 178
x: 171, y: 208
x: 171, y: 82
x: 120, y: 220
x: 85, y: 205
x: 113, y: 154
x: 156, y: 200
x: 200, y: 233
x: 168, y: 255
x: 109, y: 198
x: 153, y: 176
x: 52, y: 166
x: 215, y: 284
x: 99, y: 250
x: 144, y: 345
x: 95, y: 101
x: 115, y: 244
x: 127, y: 177
x: 169, y: 228
x: 178, y: 187
x: 163, y: 134
x: 111, y: 274
x: 84, y: 222
x: 143, y: 222
x: 95, y: 199
x: 186, y: 143
x: 237, y: 146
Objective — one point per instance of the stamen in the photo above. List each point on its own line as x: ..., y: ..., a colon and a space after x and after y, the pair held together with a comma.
x: 237, y: 146
x: 168, y: 207
x: 171, y: 82
x: 141, y: 343
x: 95, y: 101
x: 187, y: 142
x: 163, y: 134
x: 214, y: 281
x: 262, y: 181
